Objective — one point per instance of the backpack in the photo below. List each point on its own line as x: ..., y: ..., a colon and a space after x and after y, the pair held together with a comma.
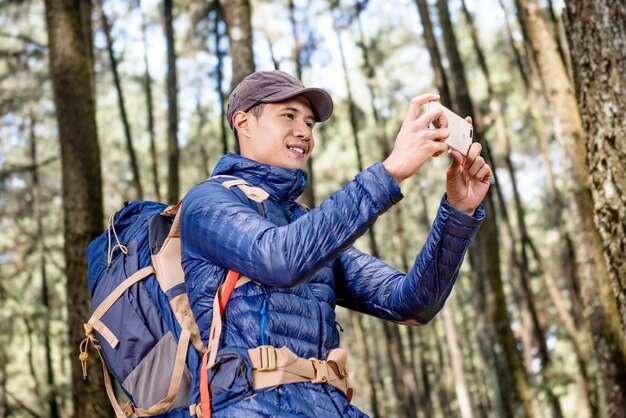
x: 142, y: 325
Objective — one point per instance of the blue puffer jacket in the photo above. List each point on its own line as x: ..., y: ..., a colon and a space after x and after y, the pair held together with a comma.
x: 305, y: 264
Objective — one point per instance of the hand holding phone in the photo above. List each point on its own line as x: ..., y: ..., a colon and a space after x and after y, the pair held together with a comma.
x: 461, y: 132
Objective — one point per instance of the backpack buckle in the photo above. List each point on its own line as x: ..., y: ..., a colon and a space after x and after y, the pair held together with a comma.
x: 321, y: 371
x: 267, y: 355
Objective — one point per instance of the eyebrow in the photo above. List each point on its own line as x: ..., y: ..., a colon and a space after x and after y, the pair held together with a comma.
x: 293, y: 109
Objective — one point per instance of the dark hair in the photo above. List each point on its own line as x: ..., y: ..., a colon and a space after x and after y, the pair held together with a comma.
x: 256, y: 111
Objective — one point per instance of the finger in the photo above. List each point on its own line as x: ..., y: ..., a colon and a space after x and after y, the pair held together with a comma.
x: 417, y: 102
x: 484, y: 174
x: 473, y: 152
x: 431, y: 115
x: 478, y: 163
x: 457, y: 158
x: 468, y: 120
x: 438, y: 135
x: 439, y: 148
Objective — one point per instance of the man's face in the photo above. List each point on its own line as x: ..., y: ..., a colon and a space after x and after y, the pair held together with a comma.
x: 282, y: 135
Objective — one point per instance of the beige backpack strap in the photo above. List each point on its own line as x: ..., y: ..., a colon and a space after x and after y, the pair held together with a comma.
x: 95, y: 323
x: 277, y: 366
x: 169, y: 273
x: 216, y: 324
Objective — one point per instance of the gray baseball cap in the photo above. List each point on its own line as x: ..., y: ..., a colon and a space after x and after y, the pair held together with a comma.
x: 276, y: 86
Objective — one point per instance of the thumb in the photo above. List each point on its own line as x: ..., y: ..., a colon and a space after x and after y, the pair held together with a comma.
x: 457, y: 158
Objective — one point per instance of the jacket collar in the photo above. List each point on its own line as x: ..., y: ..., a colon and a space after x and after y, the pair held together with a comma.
x: 281, y: 183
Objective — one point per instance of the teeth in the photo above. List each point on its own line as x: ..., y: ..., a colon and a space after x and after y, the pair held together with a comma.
x: 297, y: 149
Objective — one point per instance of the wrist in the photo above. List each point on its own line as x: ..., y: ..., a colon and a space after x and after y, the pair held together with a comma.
x: 461, y: 208
x: 392, y: 171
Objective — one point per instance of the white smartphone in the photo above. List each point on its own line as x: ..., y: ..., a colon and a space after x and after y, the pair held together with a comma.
x: 461, y: 132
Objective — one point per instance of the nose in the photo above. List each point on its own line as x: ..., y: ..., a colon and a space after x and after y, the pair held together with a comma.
x: 302, y: 130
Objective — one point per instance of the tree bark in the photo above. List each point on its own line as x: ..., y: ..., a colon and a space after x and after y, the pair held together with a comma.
x: 106, y: 28
x: 71, y: 69
x: 601, y: 307
x: 597, y: 38
x: 239, y: 28
x: 51, y: 395
x: 147, y: 84
x: 173, y: 181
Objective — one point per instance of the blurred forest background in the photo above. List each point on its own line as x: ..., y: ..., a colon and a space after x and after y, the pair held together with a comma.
x: 107, y: 101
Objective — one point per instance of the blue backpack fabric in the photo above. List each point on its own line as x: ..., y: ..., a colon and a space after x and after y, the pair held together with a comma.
x: 141, y: 318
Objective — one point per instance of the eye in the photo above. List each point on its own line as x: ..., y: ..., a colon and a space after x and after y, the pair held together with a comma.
x: 310, y: 125
x: 290, y: 115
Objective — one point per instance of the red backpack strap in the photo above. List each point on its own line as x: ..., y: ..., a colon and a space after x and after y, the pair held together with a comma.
x: 208, y: 359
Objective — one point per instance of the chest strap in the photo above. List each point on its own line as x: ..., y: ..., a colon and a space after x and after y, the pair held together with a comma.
x: 277, y: 366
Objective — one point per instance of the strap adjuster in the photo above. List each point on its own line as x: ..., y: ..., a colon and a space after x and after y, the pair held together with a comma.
x: 321, y: 371
x: 267, y: 355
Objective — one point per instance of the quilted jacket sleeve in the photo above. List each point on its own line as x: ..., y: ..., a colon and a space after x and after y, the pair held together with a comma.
x: 215, y: 225
x: 366, y: 284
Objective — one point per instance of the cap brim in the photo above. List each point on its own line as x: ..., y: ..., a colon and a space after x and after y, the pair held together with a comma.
x: 321, y: 102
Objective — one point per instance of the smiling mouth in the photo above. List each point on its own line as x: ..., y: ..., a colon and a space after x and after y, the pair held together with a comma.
x: 298, y: 150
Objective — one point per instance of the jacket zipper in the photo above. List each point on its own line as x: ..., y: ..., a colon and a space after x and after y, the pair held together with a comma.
x: 263, y: 314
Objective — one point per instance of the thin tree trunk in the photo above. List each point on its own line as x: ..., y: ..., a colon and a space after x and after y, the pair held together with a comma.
x: 217, y: 35
x: 425, y: 400
x: 147, y: 84
x: 239, y: 28
x: 173, y: 181
x: 71, y: 69
x: 3, y: 382
x: 204, y: 156
x: 441, y: 81
x: 601, y: 308
x: 484, y: 257
x: 556, y: 31
x: 308, y: 195
x: 106, y: 27
x: 443, y: 383
x: 524, y: 270
x: 45, y: 298
x: 369, y: 388
x: 354, y: 125
x: 597, y: 37
x: 555, y: 203
x: 460, y: 386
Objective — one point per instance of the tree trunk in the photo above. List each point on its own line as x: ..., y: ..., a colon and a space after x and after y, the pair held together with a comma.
x: 513, y: 386
x: 308, y: 194
x: 601, y: 308
x: 441, y: 81
x: 597, y: 37
x: 106, y: 27
x: 370, y: 73
x: 369, y: 387
x: 239, y: 29
x: 173, y: 181
x: 217, y: 35
x: 147, y: 84
x: 51, y: 395
x: 71, y: 69
x: 460, y: 386
x: 522, y: 263
x: 3, y: 381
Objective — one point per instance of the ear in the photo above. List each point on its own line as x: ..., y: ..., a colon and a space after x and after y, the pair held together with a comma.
x: 241, y: 122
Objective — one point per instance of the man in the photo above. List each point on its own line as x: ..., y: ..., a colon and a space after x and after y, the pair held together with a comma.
x: 302, y: 263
